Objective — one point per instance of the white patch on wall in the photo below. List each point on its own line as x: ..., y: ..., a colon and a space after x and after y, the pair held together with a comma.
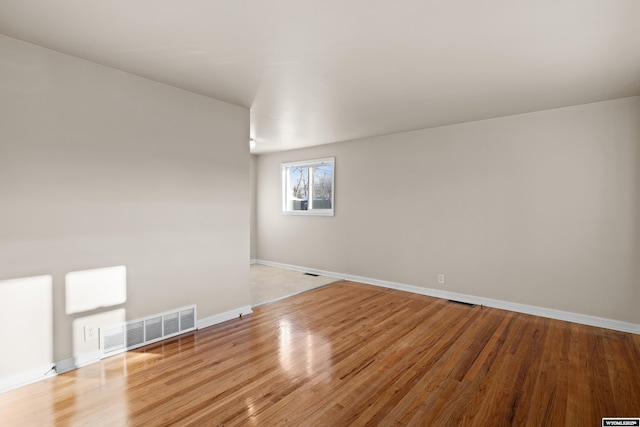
x: 26, y: 325
x: 90, y: 289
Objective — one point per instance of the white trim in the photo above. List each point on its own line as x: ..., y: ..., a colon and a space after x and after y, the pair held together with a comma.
x: 223, y: 317
x: 584, y: 319
x: 305, y: 269
x: 28, y: 377
x: 48, y: 371
x: 311, y: 212
x: 72, y: 363
x: 312, y: 162
x: 253, y: 261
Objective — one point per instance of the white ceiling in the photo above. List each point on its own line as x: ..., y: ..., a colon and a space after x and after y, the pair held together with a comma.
x: 315, y: 72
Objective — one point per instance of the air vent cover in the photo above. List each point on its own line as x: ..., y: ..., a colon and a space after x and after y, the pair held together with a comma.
x: 153, y: 328
x: 139, y: 332
x: 171, y: 323
x: 187, y: 319
x: 113, y: 340
x: 135, y: 334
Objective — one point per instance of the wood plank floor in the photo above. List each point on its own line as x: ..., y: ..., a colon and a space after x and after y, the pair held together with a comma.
x: 350, y: 354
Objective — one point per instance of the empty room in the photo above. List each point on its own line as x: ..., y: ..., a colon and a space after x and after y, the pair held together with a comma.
x: 330, y: 213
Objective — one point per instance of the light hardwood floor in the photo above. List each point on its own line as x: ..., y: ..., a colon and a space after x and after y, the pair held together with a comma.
x: 352, y: 354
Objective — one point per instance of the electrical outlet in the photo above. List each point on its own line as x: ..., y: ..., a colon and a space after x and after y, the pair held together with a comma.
x: 90, y: 332
x: 441, y: 279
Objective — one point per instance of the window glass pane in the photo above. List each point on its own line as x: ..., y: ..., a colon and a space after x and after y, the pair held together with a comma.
x: 322, y: 186
x: 298, y: 188
x: 307, y: 187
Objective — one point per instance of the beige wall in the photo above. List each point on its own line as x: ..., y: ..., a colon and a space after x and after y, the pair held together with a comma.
x: 101, y: 168
x: 539, y: 209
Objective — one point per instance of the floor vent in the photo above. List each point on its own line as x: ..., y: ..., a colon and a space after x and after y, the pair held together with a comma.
x: 136, y: 333
x: 468, y: 304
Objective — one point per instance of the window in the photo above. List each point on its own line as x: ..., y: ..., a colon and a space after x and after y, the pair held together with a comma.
x: 307, y: 187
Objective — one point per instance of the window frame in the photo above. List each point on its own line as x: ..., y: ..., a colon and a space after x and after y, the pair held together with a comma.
x: 284, y: 168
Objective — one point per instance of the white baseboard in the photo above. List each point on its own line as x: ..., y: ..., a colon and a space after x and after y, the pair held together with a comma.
x: 72, y: 363
x: 305, y: 269
x: 253, y: 261
x: 25, y: 378
x: 223, y: 317
x: 48, y: 371
x: 488, y: 302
